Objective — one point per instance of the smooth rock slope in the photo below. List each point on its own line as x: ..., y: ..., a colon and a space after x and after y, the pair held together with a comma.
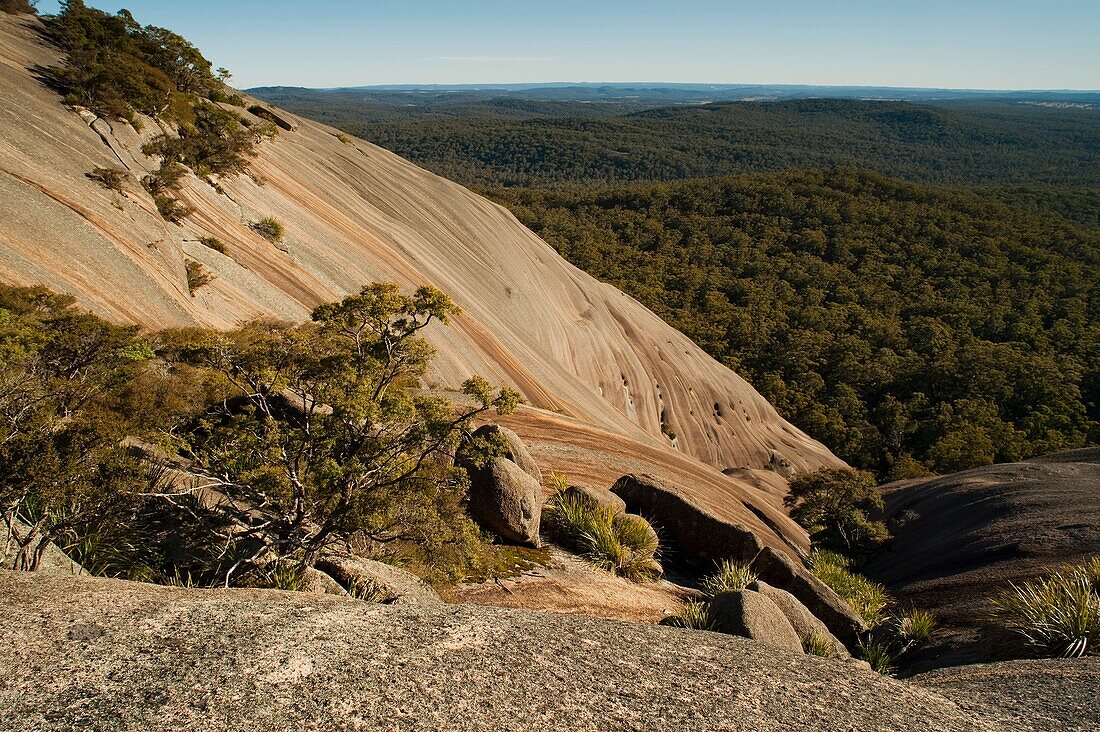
x: 581, y: 352
x: 111, y: 655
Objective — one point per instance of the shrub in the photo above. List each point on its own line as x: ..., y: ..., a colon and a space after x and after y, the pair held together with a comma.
x: 283, y: 575
x: 816, y: 644
x: 623, y: 545
x: 694, y: 615
x: 867, y: 598
x: 1057, y: 615
x: 212, y: 242
x: 167, y: 177
x: 369, y: 591
x: 197, y: 276
x: 730, y: 576
x: 109, y: 178
x: 556, y: 482
x: 833, y: 505
x: 170, y: 209
x: 212, y: 140
x: 343, y: 138
x: 269, y: 228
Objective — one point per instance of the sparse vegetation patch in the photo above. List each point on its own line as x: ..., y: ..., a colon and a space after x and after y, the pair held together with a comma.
x: 269, y: 228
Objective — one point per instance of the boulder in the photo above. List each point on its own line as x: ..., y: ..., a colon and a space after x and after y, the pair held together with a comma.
x: 506, y: 500
x: 517, y: 452
x: 801, y: 619
x: 317, y: 582
x: 695, y: 532
x: 752, y: 615
x: 382, y: 582
x: 598, y: 497
x: 820, y: 599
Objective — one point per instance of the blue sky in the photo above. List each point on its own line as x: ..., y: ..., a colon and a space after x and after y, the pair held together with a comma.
x: 992, y: 44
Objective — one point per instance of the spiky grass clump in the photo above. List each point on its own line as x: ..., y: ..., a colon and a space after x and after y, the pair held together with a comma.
x: 1058, y: 615
x: 556, y: 482
x: 729, y: 576
x: 879, y: 655
x: 867, y: 598
x: 269, y: 228
x: 694, y: 615
x: 816, y: 644
x: 917, y: 628
x: 624, y: 545
x: 371, y: 592
x: 283, y: 575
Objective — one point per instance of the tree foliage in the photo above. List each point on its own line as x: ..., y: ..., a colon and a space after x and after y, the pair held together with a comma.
x: 117, y: 67
x: 518, y: 142
x: 201, y: 456
x: 835, y: 506
x: 65, y: 471
x: 322, y: 440
x: 909, y: 328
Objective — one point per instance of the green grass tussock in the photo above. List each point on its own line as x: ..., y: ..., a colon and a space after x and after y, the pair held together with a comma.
x: 867, y: 598
x: 1057, y: 615
x: 729, y: 576
x: 623, y: 545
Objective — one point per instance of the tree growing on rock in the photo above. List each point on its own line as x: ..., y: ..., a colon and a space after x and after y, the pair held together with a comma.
x: 64, y: 470
x: 835, y: 505
x: 323, y: 438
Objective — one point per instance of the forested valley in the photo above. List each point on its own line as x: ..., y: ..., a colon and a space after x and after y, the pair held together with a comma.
x: 915, y: 285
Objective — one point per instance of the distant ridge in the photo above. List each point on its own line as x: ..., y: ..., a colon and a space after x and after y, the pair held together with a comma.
x: 679, y: 92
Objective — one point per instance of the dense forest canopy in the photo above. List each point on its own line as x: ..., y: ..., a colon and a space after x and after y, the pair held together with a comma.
x: 522, y: 142
x: 909, y: 328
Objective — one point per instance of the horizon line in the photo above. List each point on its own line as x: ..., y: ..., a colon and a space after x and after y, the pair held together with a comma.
x: 496, y: 84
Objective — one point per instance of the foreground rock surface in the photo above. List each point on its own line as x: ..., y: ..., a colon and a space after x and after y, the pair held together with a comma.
x: 106, y: 654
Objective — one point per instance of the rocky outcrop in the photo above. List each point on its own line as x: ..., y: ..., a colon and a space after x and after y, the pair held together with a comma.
x: 378, y: 582
x: 801, y: 619
x: 53, y: 560
x: 506, y: 500
x: 598, y: 497
x: 779, y: 571
x: 752, y: 615
x: 693, y: 532
x: 516, y: 451
x: 961, y: 538
x: 86, y: 653
x: 355, y: 213
x: 320, y: 583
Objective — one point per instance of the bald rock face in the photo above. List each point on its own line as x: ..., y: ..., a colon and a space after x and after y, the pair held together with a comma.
x: 583, y: 354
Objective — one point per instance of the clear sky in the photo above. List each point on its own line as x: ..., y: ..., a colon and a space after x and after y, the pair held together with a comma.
x: 991, y: 44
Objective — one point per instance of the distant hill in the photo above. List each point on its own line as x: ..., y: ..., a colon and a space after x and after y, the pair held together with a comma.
x: 515, y: 138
